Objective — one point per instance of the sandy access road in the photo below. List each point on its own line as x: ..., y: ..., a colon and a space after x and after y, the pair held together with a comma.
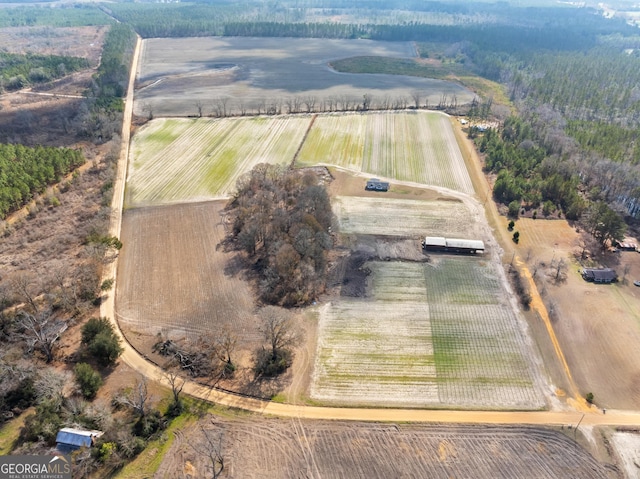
x: 152, y: 372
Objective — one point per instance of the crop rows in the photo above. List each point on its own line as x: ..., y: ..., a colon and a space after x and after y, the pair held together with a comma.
x: 170, y: 279
x: 441, y: 333
x: 480, y: 353
x: 419, y: 147
x: 386, y: 216
x: 380, y: 350
x: 293, y: 448
x: 178, y: 160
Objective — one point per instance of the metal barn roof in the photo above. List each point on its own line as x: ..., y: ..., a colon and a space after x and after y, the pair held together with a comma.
x: 435, y: 241
x: 441, y: 242
x: 76, y: 437
x: 464, y: 243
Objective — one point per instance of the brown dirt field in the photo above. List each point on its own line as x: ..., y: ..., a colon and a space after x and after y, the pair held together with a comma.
x: 169, y: 274
x: 298, y: 448
x: 349, y: 184
x: 598, y: 326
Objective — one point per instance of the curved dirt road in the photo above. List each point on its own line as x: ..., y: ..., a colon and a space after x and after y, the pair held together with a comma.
x: 152, y: 372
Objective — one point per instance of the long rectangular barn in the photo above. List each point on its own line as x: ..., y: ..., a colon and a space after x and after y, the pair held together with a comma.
x: 453, y: 245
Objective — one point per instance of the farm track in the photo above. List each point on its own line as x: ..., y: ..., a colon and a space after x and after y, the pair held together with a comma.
x: 152, y: 372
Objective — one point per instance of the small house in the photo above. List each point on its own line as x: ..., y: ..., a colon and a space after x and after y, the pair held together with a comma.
x: 69, y: 439
x: 374, y: 184
x: 599, y: 275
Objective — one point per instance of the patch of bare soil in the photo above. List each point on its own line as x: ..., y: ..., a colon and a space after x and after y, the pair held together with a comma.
x: 348, y: 184
x: 348, y: 275
x: 295, y: 448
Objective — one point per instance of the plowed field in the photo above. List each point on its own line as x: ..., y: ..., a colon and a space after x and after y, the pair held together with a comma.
x: 172, y: 280
x: 294, y: 449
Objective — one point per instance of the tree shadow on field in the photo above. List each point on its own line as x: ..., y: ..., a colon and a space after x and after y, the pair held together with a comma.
x: 263, y: 387
x: 234, y: 266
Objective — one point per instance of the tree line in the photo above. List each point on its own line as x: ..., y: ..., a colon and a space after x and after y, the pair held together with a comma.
x: 19, y: 71
x: 26, y: 171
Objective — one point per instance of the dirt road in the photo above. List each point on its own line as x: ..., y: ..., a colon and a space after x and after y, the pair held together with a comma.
x: 152, y: 372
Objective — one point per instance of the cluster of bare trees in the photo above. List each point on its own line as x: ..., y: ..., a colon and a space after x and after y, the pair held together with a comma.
x: 281, y: 219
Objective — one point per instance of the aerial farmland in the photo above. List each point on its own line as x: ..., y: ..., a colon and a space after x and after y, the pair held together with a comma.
x: 424, y: 331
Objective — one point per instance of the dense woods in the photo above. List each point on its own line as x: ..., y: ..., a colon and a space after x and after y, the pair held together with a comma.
x: 282, y: 218
x: 26, y: 171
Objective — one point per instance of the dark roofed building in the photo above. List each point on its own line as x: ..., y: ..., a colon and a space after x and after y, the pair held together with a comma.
x: 374, y: 184
x: 69, y: 439
x: 600, y: 275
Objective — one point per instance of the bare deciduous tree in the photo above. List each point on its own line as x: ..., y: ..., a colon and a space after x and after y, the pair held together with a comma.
x: 199, y: 107
x: 41, y: 331
x: 278, y: 328
x: 137, y: 398
x: 310, y: 103
x: 416, y: 96
x: 25, y: 288
x: 212, y: 448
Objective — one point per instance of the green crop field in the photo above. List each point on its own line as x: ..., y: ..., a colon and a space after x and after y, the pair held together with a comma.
x: 435, y: 334
x: 418, y: 147
x: 179, y: 160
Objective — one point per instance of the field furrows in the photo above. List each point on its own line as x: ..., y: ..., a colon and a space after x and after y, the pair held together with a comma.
x: 188, y: 160
x: 375, y: 353
x: 480, y: 355
x: 386, y: 216
x: 292, y: 449
x: 170, y: 277
x: 419, y: 147
x: 437, y: 333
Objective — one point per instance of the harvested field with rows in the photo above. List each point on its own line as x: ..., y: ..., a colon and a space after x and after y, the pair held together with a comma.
x: 173, y: 281
x: 418, y: 147
x: 183, y: 160
x: 427, y: 334
x: 294, y: 448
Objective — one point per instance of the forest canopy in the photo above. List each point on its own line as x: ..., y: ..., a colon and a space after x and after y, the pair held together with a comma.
x: 26, y: 171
